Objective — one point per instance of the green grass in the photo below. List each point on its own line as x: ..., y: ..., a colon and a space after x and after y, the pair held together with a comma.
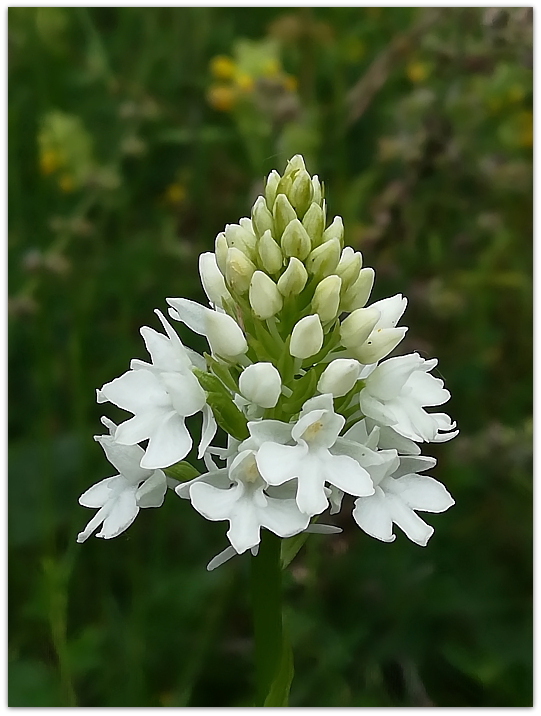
x: 120, y: 173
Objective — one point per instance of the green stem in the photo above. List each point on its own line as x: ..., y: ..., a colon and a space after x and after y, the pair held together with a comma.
x: 266, y: 585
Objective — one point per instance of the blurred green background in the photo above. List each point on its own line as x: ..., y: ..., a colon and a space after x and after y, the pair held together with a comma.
x: 135, y: 135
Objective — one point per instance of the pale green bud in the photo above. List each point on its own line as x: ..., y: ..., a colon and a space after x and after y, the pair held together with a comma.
x: 314, y: 223
x: 306, y: 337
x: 317, y: 196
x: 261, y: 383
x: 295, y: 241
x: 261, y: 217
x: 283, y: 214
x: 295, y: 164
x: 284, y: 186
x: 335, y: 230
x: 324, y: 260
x: 271, y: 188
x: 270, y: 254
x: 265, y: 298
x: 301, y: 192
x: 379, y: 344
x: 241, y: 238
x: 220, y: 249
x: 238, y: 270
x: 349, y: 266
x: 359, y: 292
x: 294, y: 278
x: 355, y: 329
x: 326, y: 300
x: 246, y: 223
x: 339, y: 377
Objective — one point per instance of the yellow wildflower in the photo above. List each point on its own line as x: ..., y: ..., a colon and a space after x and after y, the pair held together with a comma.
x: 222, y: 67
x: 66, y: 183
x: 245, y: 81
x: 175, y: 193
x: 221, y: 97
x: 49, y: 161
x: 417, y: 71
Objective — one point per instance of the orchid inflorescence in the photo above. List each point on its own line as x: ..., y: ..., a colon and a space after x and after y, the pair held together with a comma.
x: 296, y: 378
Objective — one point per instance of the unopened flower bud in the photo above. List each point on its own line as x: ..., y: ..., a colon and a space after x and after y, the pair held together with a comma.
x: 306, y: 337
x: 294, y: 278
x: 326, y: 300
x: 301, y: 192
x: 317, y: 196
x: 323, y: 260
x: 355, y: 329
x: 339, y: 377
x: 295, y: 164
x: 283, y: 214
x: 261, y: 384
x: 240, y: 238
x: 271, y: 187
x: 212, y: 279
x: 314, y: 223
x: 359, y: 292
x: 238, y: 270
x: 295, y: 241
x: 261, y: 217
x: 379, y: 344
x: 220, y: 249
x: 265, y: 298
x: 349, y: 266
x: 335, y: 230
x: 270, y: 254
x: 224, y: 335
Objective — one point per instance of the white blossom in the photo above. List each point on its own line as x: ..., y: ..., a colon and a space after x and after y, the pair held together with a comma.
x: 399, y: 493
x: 161, y: 395
x: 119, y: 498
x: 311, y: 460
x: 397, y: 392
x: 260, y: 383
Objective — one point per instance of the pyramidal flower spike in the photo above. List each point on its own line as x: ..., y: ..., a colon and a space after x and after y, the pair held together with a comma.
x: 298, y: 378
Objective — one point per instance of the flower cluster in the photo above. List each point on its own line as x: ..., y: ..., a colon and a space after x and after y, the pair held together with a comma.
x: 295, y: 375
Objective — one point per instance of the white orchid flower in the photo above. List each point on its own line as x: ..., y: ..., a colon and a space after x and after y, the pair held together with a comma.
x: 312, y: 460
x: 239, y: 495
x: 396, y: 393
x: 400, y: 491
x: 161, y: 395
x: 119, y: 498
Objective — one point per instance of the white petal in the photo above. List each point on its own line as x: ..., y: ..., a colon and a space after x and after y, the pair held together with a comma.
x: 412, y: 420
x: 169, y: 443
x: 410, y: 523
x: 95, y: 522
x: 319, y: 402
x: 275, y: 431
x: 410, y: 465
x: 121, y: 516
x: 391, y: 310
x: 319, y: 529
x: 318, y: 428
x: 428, y: 390
x: 279, y: 463
x: 335, y: 498
x: 390, y: 439
x: 244, y: 530
x: 347, y: 475
x: 311, y: 496
x: 140, y: 427
x: 208, y: 430
x: 387, y: 381
x: 216, y: 478
x: 283, y: 517
x: 165, y: 354
x: 190, y: 313
x: 372, y: 516
x: 152, y: 492
x: 186, y: 395
x: 136, y: 390
x: 125, y: 458
x: 97, y: 495
x: 212, y: 502
x: 373, y: 408
x: 420, y: 492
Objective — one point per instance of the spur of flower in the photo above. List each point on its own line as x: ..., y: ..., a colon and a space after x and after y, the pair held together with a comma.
x: 298, y: 378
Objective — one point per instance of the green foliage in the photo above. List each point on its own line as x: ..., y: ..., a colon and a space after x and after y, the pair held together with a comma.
x: 128, y: 153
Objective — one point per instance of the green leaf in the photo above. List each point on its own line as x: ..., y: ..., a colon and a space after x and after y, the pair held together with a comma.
x: 182, y: 471
x: 279, y: 691
x: 290, y: 548
x: 228, y: 416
